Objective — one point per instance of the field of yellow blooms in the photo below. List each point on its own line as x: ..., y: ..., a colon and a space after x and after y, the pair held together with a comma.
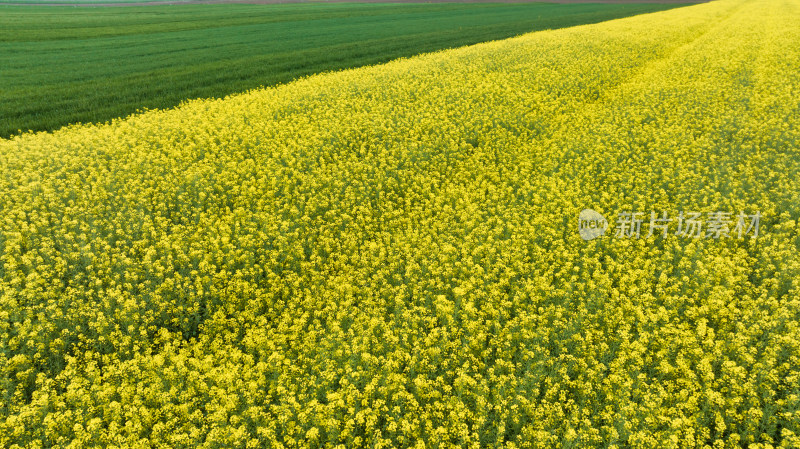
x: 390, y: 256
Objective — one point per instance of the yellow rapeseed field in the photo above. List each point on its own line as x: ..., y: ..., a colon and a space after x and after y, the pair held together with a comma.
x: 390, y: 256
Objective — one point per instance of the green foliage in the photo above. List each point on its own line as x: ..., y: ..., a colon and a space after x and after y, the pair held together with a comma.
x: 66, y: 65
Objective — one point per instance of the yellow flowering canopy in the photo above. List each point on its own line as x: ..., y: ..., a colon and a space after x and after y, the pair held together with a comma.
x: 390, y: 257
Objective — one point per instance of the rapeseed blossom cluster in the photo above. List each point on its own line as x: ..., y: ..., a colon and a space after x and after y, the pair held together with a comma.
x: 389, y: 257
